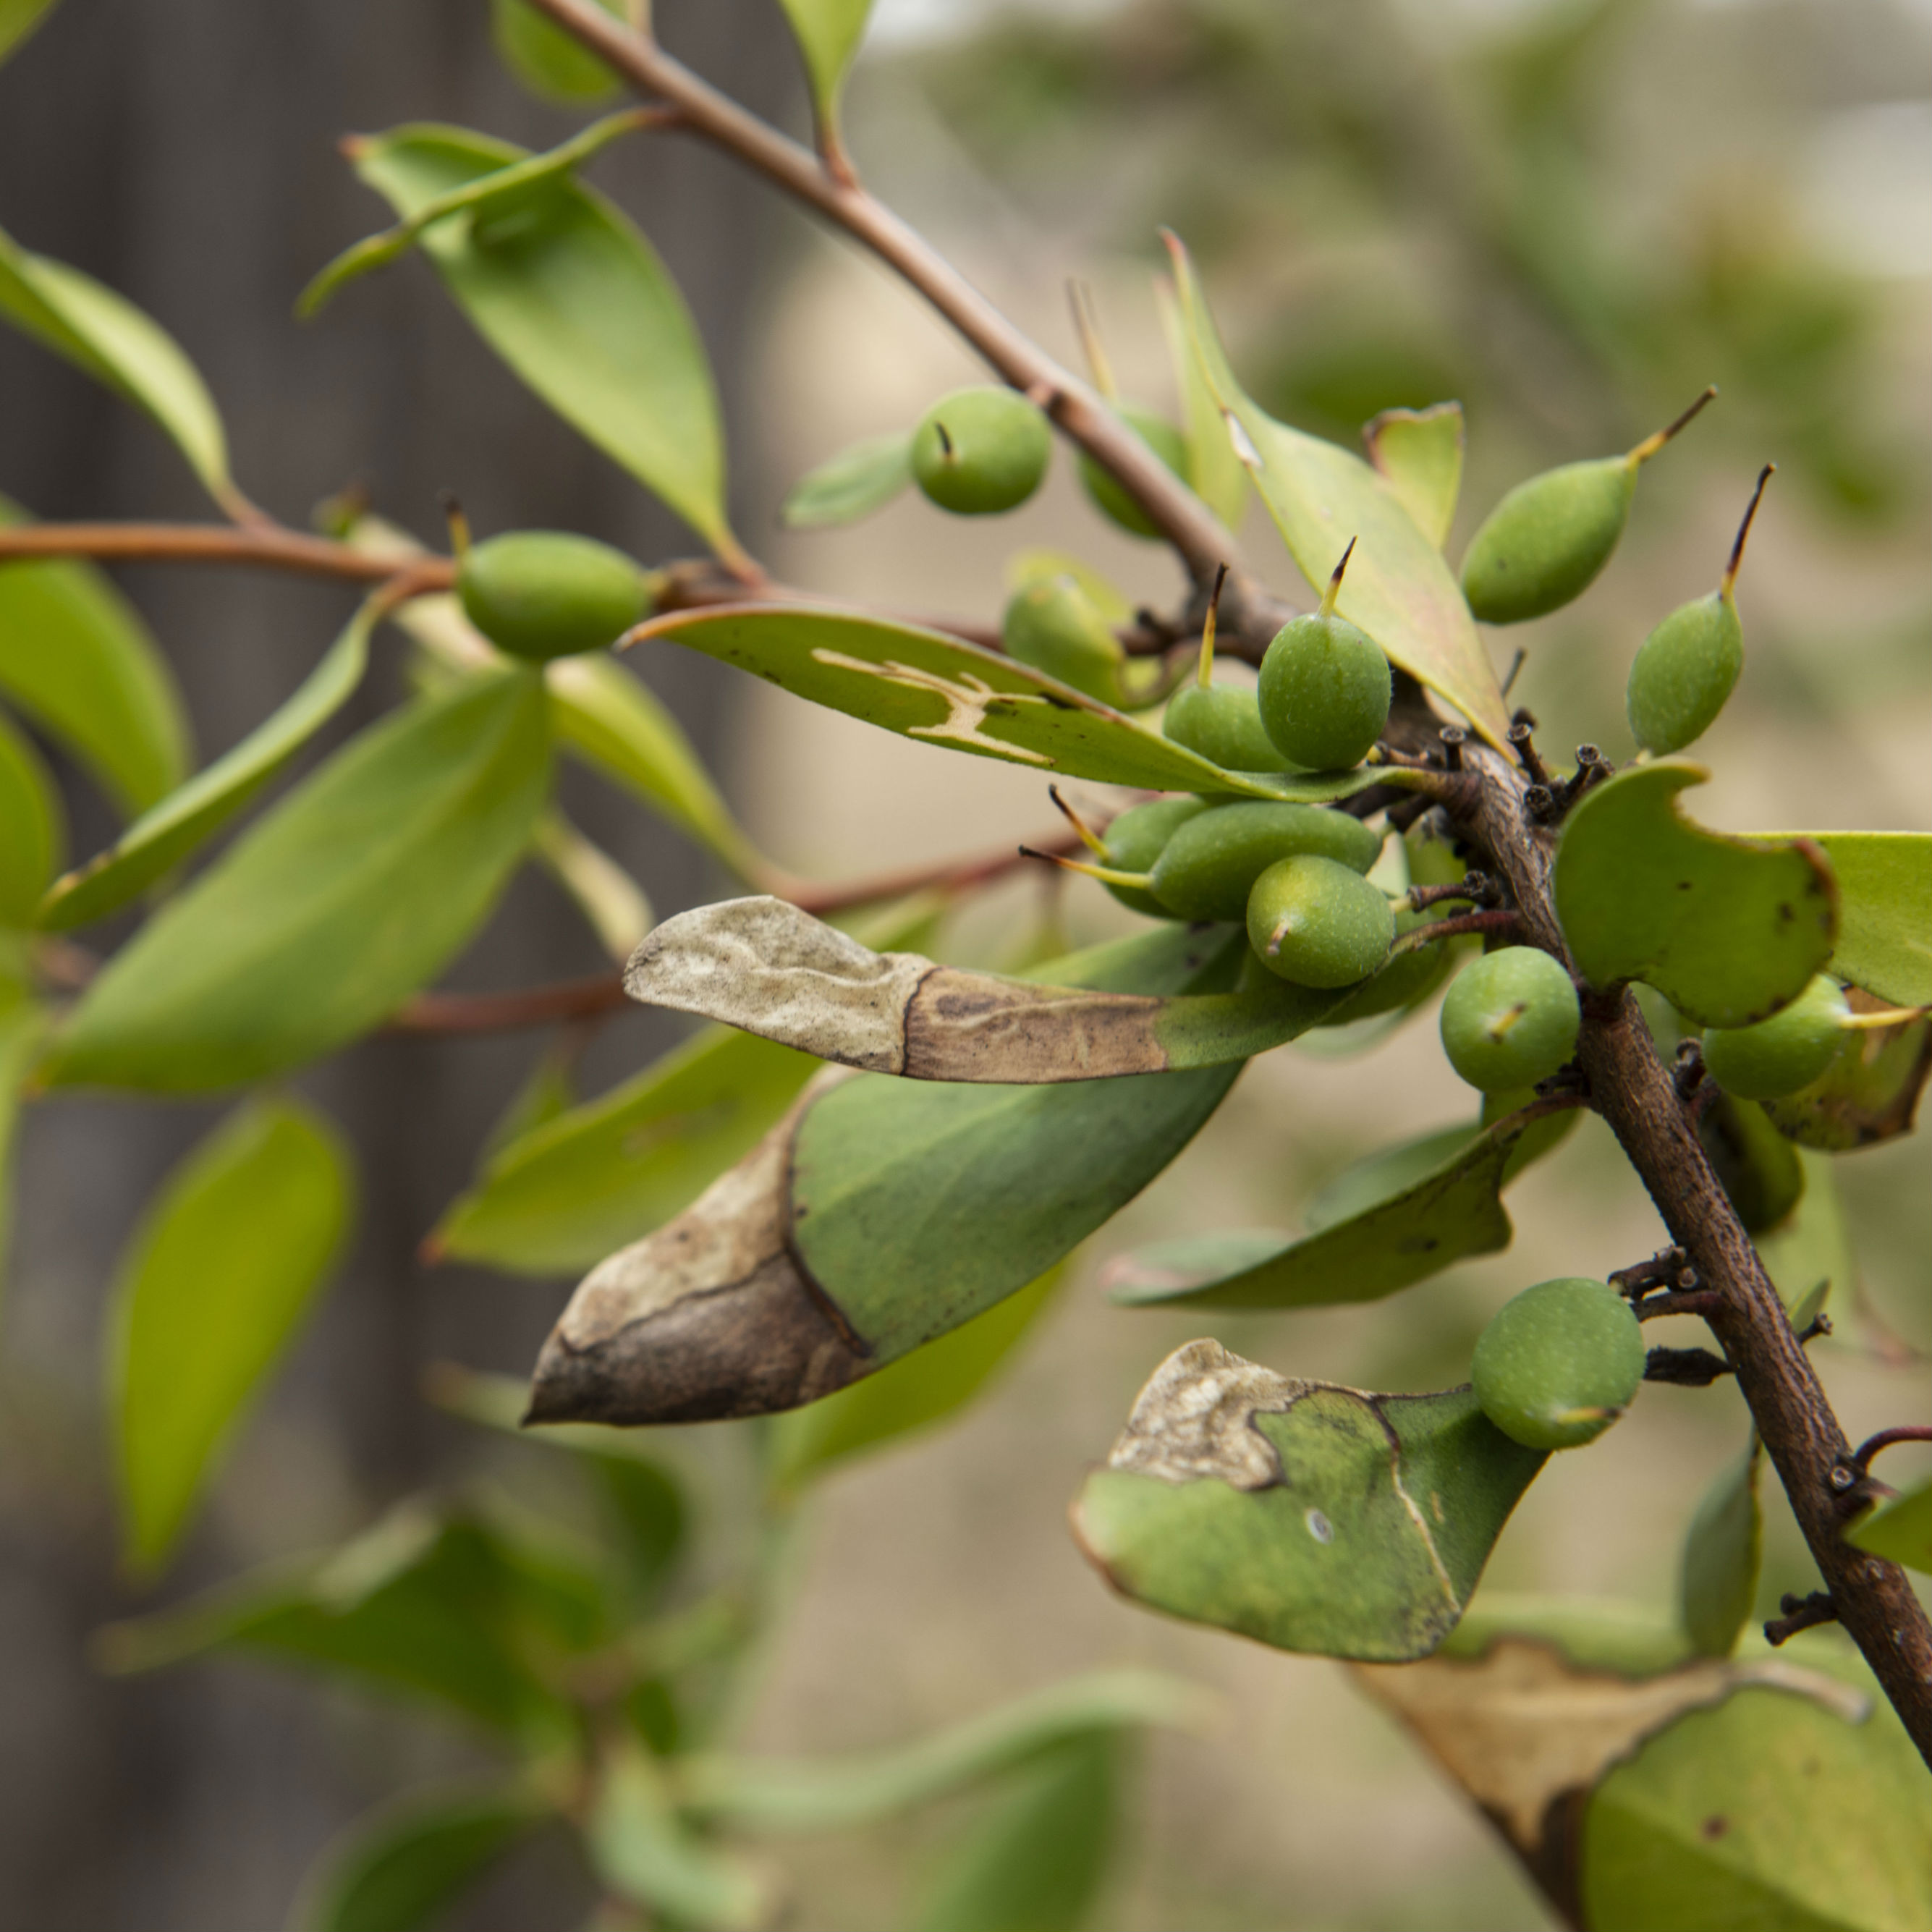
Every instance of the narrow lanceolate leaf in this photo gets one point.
(211, 1293)
(353, 892)
(762, 965)
(1421, 1207)
(853, 484)
(108, 338)
(1884, 911)
(787, 1278)
(186, 818)
(33, 828)
(1419, 454)
(1307, 1516)
(399, 1869)
(76, 659)
(1869, 1094)
(1728, 930)
(829, 33)
(18, 19)
(1901, 1530)
(1322, 496)
(1215, 472)
(1723, 1550)
(943, 691)
(574, 298)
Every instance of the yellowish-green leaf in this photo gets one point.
(33, 828)
(1420, 453)
(853, 484)
(18, 19)
(612, 902)
(1884, 911)
(829, 33)
(1901, 1530)
(555, 66)
(1215, 472)
(211, 1292)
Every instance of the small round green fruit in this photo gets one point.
(542, 594)
(1325, 692)
(1779, 1055)
(1208, 868)
(1135, 840)
(981, 450)
(1319, 923)
(1222, 724)
(1510, 1019)
(1546, 542)
(1052, 624)
(1558, 1365)
(1164, 439)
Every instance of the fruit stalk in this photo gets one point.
(1631, 1088)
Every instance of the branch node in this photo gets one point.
(1687, 1368)
(1801, 1613)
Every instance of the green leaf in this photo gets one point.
(186, 818)
(18, 19)
(1723, 1550)
(1038, 1858)
(826, 1794)
(1810, 1253)
(574, 299)
(554, 65)
(1419, 454)
(1758, 1168)
(1869, 1093)
(33, 827)
(829, 33)
(107, 337)
(853, 484)
(357, 889)
(917, 1391)
(1727, 929)
(76, 658)
(612, 902)
(1900, 1530)
(1407, 1213)
(1215, 473)
(1306, 1515)
(1322, 496)
(1884, 911)
(212, 1291)
(21, 1025)
(943, 691)
(397, 1869)
(608, 1172)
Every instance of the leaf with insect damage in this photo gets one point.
(1885, 910)
(1870, 1092)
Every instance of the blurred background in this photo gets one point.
(1570, 216)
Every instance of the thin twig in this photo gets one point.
(1886, 1437)
(1801, 1613)
(269, 546)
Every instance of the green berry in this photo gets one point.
(1319, 923)
(1208, 868)
(1510, 1019)
(547, 594)
(1325, 692)
(1164, 440)
(1136, 839)
(1560, 1363)
(1779, 1055)
(1222, 722)
(1546, 541)
(1404, 981)
(1054, 625)
(978, 452)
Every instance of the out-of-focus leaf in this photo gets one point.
(448, 1612)
(1036, 565)
(211, 1292)
(33, 828)
(1722, 1550)
(1901, 1530)
(553, 64)
(829, 33)
(1727, 929)
(853, 484)
(1322, 497)
(1406, 1213)
(971, 1191)
(1758, 1167)
(1870, 1092)
(1810, 1254)
(823, 1794)
(20, 1026)
(548, 1092)
(574, 298)
(1037, 1859)
(1884, 911)
(76, 658)
(612, 902)
(916, 1391)
(105, 335)
(1306, 1515)
(399, 1868)
(924, 685)
(187, 817)
(1215, 473)
(1419, 454)
(358, 888)
(18, 19)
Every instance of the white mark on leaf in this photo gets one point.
(1319, 1527)
(967, 701)
(1243, 443)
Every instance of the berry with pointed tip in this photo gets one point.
(1510, 1019)
(1319, 923)
(1135, 840)
(1545, 542)
(1558, 1365)
(1052, 624)
(981, 450)
(1325, 687)
(540, 594)
(1208, 868)
(1779, 1055)
(1164, 439)
(1222, 723)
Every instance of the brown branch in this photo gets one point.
(1634, 1092)
(269, 547)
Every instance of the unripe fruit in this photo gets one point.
(1136, 839)
(1779, 1055)
(1054, 625)
(1510, 1019)
(1164, 439)
(1560, 1363)
(1325, 688)
(1406, 981)
(1318, 923)
(1222, 722)
(548, 594)
(1545, 542)
(981, 450)
(1685, 669)
(1209, 867)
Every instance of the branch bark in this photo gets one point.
(1634, 1091)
